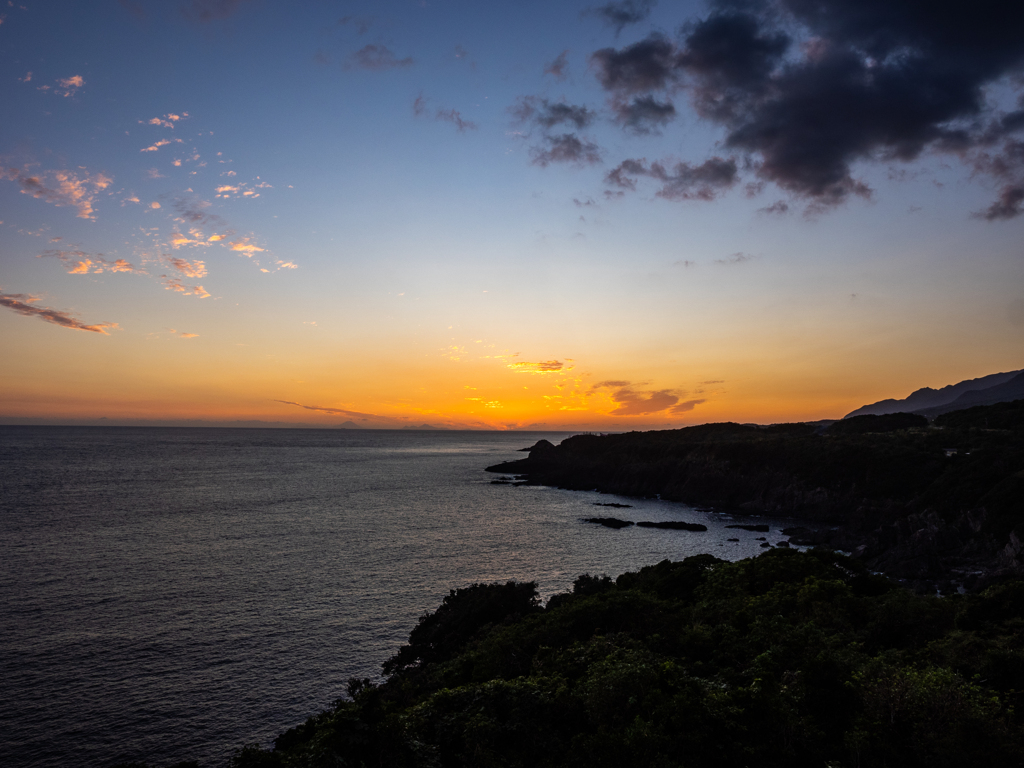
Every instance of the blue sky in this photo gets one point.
(585, 215)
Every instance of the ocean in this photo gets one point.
(171, 594)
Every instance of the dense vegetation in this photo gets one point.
(789, 659)
(921, 499)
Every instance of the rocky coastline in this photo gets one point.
(935, 505)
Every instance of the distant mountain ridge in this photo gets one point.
(987, 390)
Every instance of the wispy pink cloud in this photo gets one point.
(245, 246)
(82, 263)
(194, 269)
(60, 187)
(175, 284)
(161, 143)
(167, 121)
(242, 189)
(24, 304)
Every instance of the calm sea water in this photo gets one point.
(171, 594)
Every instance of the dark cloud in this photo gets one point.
(378, 58)
(566, 148)
(557, 68)
(455, 117)
(686, 406)
(779, 206)
(649, 65)
(419, 108)
(210, 10)
(644, 114)
(622, 14)
(735, 258)
(588, 203)
(683, 182)
(193, 210)
(548, 114)
(808, 88)
(24, 304)
(337, 411)
(1009, 205)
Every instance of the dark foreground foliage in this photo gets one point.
(790, 659)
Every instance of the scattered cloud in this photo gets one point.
(644, 114)
(566, 148)
(778, 207)
(558, 68)
(241, 189)
(454, 117)
(643, 67)
(1010, 204)
(686, 406)
(81, 263)
(684, 182)
(629, 402)
(61, 188)
(183, 334)
(195, 268)
(167, 121)
(66, 86)
(621, 14)
(735, 258)
(548, 114)
(378, 58)
(161, 143)
(194, 210)
(25, 305)
(419, 109)
(245, 246)
(546, 366)
(175, 284)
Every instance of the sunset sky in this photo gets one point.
(533, 215)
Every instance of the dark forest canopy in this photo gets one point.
(789, 659)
